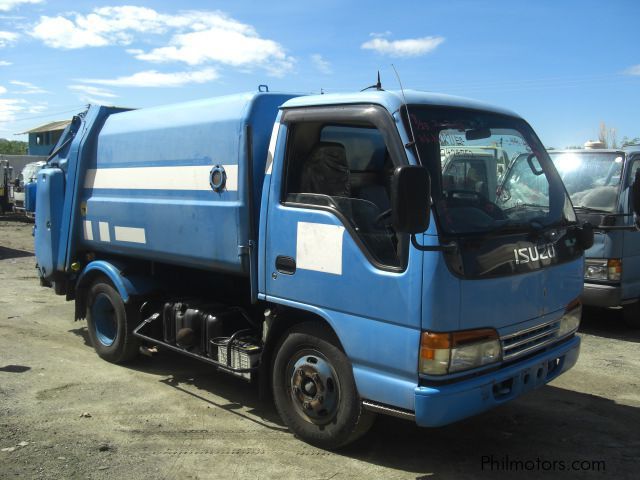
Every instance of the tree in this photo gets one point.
(12, 147)
(607, 136)
(626, 141)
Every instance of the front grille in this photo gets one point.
(528, 340)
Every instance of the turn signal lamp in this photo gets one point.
(450, 352)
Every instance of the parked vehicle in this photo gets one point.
(6, 186)
(312, 244)
(28, 176)
(600, 182)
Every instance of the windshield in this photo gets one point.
(592, 178)
(466, 152)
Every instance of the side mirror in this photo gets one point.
(584, 236)
(410, 199)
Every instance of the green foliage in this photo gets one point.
(626, 141)
(12, 147)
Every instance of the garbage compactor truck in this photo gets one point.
(313, 245)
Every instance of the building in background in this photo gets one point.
(42, 139)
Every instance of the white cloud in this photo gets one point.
(59, 32)
(104, 26)
(93, 91)
(37, 108)
(153, 78)
(9, 107)
(321, 64)
(7, 38)
(216, 38)
(12, 108)
(196, 37)
(635, 70)
(91, 94)
(7, 5)
(411, 47)
(4, 63)
(29, 88)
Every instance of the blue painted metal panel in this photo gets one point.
(126, 286)
(49, 222)
(263, 269)
(185, 225)
(511, 300)
(30, 197)
(375, 313)
(441, 290)
(384, 355)
(82, 148)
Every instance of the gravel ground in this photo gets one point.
(64, 413)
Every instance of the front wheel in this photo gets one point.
(110, 323)
(314, 390)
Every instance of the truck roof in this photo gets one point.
(392, 100)
(631, 148)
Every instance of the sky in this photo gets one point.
(565, 66)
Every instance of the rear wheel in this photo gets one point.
(314, 389)
(110, 323)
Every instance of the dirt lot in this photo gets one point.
(64, 413)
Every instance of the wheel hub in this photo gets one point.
(103, 314)
(314, 389)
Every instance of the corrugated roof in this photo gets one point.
(49, 127)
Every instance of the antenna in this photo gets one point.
(412, 143)
(377, 85)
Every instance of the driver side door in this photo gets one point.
(329, 246)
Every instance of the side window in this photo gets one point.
(632, 171)
(347, 169)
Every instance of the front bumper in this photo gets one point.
(439, 405)
(597, 295)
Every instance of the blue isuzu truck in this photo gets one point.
(600, 183)
(316, 246)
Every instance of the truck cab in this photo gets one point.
(320, 245)
(600, 183)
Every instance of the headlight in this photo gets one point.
(599, 269)
(442, 353)
(570, 321)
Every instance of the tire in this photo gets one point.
(631, 315)
(110, 323)
(314, 390)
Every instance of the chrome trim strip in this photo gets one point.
(394, 412)
(537, 346)
(537, 327)
(532, 338)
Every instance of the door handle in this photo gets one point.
(285, 265)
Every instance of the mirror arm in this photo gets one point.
(450, 247)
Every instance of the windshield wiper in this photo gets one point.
(526, 205)
(590, 209)
(507, 228)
